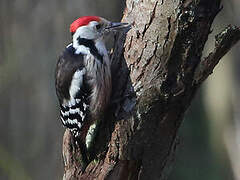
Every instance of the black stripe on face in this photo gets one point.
(91, 45)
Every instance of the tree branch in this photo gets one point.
(154, 73)
(223, 43)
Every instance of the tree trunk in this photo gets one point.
(156, 73)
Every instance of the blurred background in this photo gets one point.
(33, 34)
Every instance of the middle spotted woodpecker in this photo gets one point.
(83, 75)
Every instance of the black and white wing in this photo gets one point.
(72, 91)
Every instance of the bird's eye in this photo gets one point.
(98, 26)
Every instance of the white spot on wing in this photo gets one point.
(65, 113)
(72, 102)
(63, 121)
(81, 114)
(84, 106)
(74, 121)
(76, 84)
(74, 111)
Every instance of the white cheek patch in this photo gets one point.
(88, 32)
(80, 49)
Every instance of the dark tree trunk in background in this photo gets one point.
(156, 74)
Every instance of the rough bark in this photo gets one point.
(156, 73)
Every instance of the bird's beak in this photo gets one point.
(117, 26)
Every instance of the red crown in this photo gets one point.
(82, 21)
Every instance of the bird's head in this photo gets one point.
(94, 27)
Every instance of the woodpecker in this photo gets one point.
(83, 75)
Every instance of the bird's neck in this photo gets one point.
(89, 46)
(82, 45)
